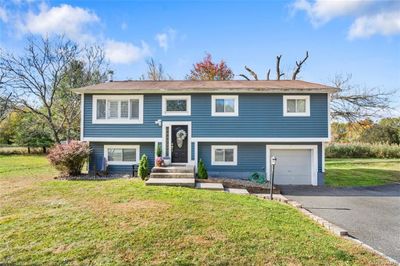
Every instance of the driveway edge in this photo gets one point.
(329, 226)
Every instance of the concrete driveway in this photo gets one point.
(370, 214)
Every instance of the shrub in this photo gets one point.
(362, 150)
(202, 171)
(143, 170)
(69, 158)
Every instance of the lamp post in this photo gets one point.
(273, 163)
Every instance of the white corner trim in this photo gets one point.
(137, 147)
(101, 139)
(323, 156)
(215, 147)
(196, 159)
(216, 139)
(82, 115)
(187, 98)
(117, 97)
(296, 97)
(314, 158)
(230, 97)
(329, 116)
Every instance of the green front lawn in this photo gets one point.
(116, 222)
(362, 172)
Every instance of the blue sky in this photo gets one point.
(358, 37)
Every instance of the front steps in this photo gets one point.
(182, 176)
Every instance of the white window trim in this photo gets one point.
(296, 97)
(137, 147)
(165, 98)
(230, 97)
(117, 97)
(215, 147)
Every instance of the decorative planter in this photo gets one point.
(167, 161)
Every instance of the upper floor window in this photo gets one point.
(122, 154)
(117, 109)
(225, 105)
(176, 105)
(224, 155)
(296, 105)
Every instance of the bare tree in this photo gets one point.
(155, 71)
(299, 64)
(4, 97)
(278, 67)
(279, 74)
(352, 102)
(38, 79)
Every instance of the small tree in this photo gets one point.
(69, 158)
(202, 171)
(143, 170)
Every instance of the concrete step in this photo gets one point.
(240, 191)
(172, 175)
(210, 186)
(173, 169)
(178, 182)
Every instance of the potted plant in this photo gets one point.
(159, 161)
(167, 161)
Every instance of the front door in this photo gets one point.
(179, 144)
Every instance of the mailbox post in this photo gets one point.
(273, 163)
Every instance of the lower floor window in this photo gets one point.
(224, 155)
(121, 154)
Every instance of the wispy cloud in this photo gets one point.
(3, 15)
(371, 17)
(125, 52)
(165, 39)
(385, 23)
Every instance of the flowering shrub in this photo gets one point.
(69, 158)
(159, 161)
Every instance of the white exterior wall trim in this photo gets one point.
(82, 114)
(95, 139)
(166, 124)
(314, 159)
(137, 147)
(260, 139)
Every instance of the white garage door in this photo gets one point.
(293, 166)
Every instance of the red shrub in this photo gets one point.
(69, 158)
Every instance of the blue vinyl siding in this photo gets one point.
(251, 157)
(260, 115)
(98, 154)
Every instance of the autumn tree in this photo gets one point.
(208, 70)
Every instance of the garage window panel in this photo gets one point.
(224, 154)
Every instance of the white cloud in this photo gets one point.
(371, 17)
(165, 39)
(63, 19)
(322, 11)
(125, 52)
(382, 23)
(3, 15)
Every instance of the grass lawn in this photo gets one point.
(362, 172)
(117, 222)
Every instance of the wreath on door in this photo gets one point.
(180, 137)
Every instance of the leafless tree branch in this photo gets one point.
(299, 64)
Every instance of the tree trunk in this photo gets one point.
(44, 149)
(29, 150)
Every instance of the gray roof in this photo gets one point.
(186, 86)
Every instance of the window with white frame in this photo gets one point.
(122, 154)
(225, 105)
(224, 155)
(176, 105)
(296, 105)
(117, 109)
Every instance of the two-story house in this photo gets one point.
(233, 126)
